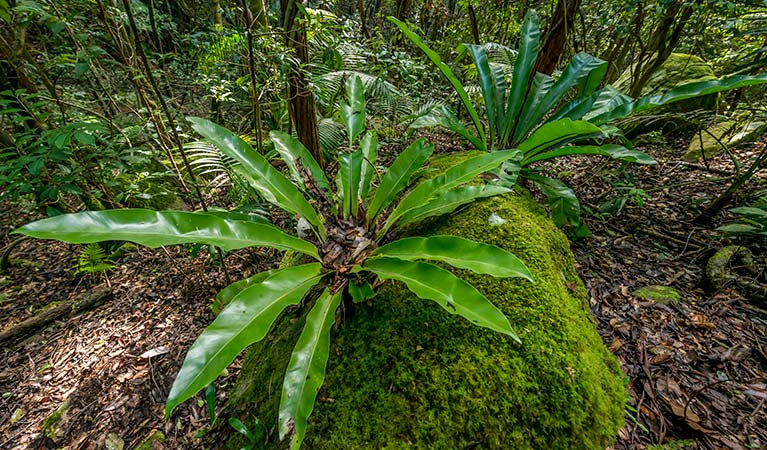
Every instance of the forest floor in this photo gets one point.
(696, 369)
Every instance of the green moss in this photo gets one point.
(678, 69)
(674, 445)
(405, 374)
(148, 443)
(658, 294)
(709, 142)
(52, 424)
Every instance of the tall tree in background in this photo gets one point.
(301, 102)
(662, 41)
(555, 36)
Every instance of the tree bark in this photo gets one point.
(473, 22)
(663, 41)
(555, 36)
(301, 101)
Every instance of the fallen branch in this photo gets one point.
(78, 305)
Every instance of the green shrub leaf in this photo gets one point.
(445, 70)
(353, 112)
(614, 151)
(448, 201)
(529, 44)
(245, 320)
(456, 296)
(457, 175)
(458, 252)
(267, 180)
(292, 151)
(157, 228)
(306, 369)
(369, 147)
(398, 175)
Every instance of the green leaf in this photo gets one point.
(348, 180)
(529, 44)
(564, 206)
(576, 73)
(750, 211)
(450, 200)
(456, 296)
(605, 101)
(493, 89)
(292, 151)
(698, 89)
(621, 109)
(244, 321)
(458, 252)
(455, 176)
(272, 185)
(306, 369)
(442, 116)
(446, 72)
(614, 151)
(241, 428)
(398, 175)
(227, 294)
(540, 86)
(234, 215)
(157, 228)
(5, 11)
(556, 133)
(369, 147)
(360, 292)
(353, 112)
(736, 228)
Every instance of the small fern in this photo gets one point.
(91, 259)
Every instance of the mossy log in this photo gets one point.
(87, 301)
(405, 374)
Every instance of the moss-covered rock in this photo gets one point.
(678, 69)
(405, 374)
(709, 142)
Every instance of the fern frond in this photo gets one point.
(91, 259)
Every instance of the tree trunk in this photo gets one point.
(473, 22)
(663, 41)
(363, 19)
(300, 100)
(555, 36)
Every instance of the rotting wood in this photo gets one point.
(82, 303)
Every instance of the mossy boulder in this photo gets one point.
(403, 373)
(712, 141)
(678, 69)
(708, 143)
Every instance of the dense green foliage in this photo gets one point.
(344, 240)
(307, 112)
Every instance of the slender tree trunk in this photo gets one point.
(363, 18)
(555, 36)
(663, 41)
(255, 103)
(300, 100)
(473, 23)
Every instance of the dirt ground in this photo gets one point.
(696, 369)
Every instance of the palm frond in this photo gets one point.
(210, 164)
